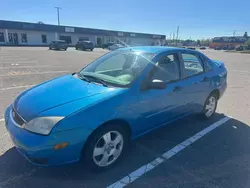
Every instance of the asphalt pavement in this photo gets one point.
(219, 158)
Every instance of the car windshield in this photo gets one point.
(118, 68)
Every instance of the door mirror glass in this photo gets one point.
(157, 84)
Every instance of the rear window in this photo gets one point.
(61, 42)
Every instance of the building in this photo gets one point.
(228, 41)
(39, 34)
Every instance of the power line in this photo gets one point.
(58, 14)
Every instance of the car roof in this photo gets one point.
(156, 49)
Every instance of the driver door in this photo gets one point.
(159, 106)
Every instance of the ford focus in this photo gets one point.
(93, 114)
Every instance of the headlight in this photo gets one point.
(42, 125)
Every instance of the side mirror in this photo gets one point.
(156, 84)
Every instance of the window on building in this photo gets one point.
(23, 37)
(44, 38)
(192, 64)
(66, 38)
(2, 37)
(168, 69)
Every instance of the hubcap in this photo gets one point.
(108, 149)
(210, 106)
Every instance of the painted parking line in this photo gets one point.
(31, 73)
(125, 181)
(18, 66)
(15, 87)
(1, 120)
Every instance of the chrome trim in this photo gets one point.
(13, 121)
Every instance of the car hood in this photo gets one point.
(54, 93)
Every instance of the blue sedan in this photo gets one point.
(94, 113)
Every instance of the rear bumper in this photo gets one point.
(39, 149)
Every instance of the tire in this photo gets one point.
(76, 48)
(113, 151)
(210, 106)
(92, 49)
(50, 48)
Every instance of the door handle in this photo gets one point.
(176, 89)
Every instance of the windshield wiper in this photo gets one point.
(80, 76)
(96, 79)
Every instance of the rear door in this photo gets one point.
(194, 80)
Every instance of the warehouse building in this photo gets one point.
(39, 34)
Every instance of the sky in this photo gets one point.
(197, 19)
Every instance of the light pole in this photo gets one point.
(58, 15)
(177, 34)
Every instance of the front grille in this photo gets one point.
(16, 117)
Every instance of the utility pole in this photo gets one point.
(173, 37)
(58, 15)
(177, 34)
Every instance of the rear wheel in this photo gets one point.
(210, 106)
(106, 147)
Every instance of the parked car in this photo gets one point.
(94, 113)
(218, 48)
(58, 45)
(115, 46)
(107, 45)
(203, 48)
(191, 48)
(84, 45)
(240, 48)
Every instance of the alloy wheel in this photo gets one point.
(210, 106)
(108, 148)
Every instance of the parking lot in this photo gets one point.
(217, 153)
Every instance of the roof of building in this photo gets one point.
(154, 49)
(232, 39)
(72, 29)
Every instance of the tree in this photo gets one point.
(247, 44)
(40, 22)
(245, 35)
(205, 42)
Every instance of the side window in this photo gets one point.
(168, 69)
(192, 65)
(115, 62)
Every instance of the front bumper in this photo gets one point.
(38, 149)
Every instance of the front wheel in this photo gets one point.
(106, 147)
(210, 106)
